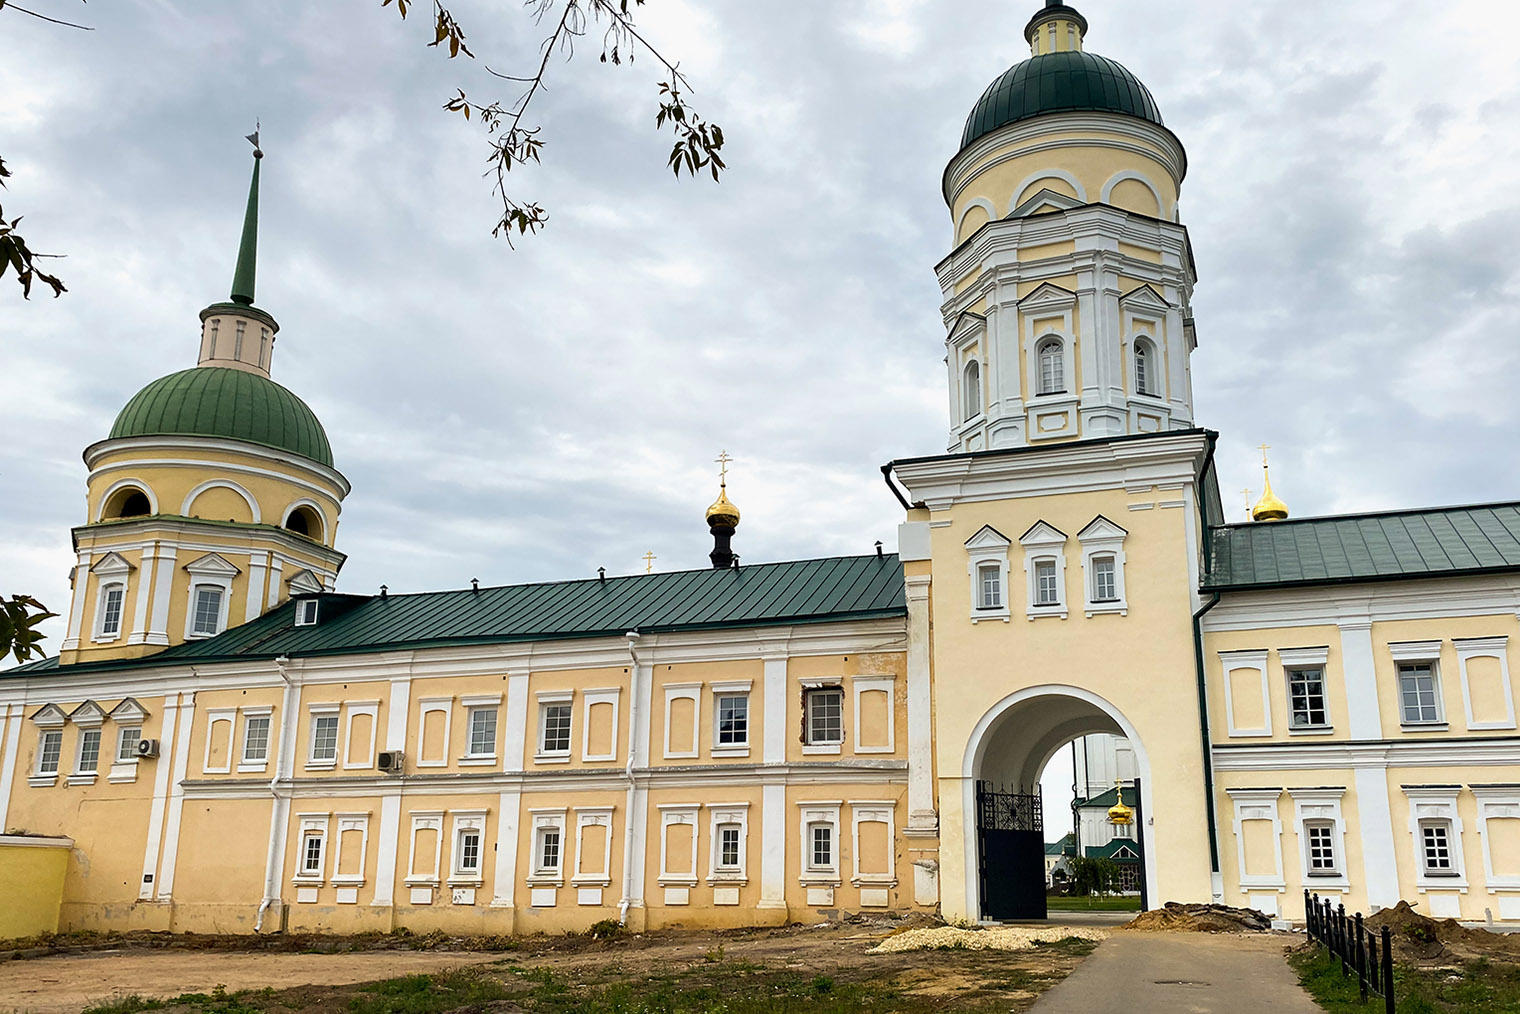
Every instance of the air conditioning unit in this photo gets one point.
(392, 762)
(147, 748)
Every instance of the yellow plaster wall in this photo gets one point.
(579, 681)
(1275, 639)
(843, 668)
(706, 673)
(1478, 895)
(33, 876)
(219, 873)
(1444, 629)
(1093, 165)
(567, 913)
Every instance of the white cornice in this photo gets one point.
(286, 461)
(1432, 753)
(1350, 604)
(143, 532)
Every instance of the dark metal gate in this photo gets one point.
(1010, 833)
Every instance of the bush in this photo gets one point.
(1094, 876)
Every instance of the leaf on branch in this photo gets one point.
(14, 253)
(18, 619)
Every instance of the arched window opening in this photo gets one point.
(1051, 369)
(304, 521)
(1145, 368)
(972, 389)
(128, 502)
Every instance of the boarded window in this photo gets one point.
(219, 749)
(1485, 688)
(351, 853)
(434, 746)
(678, 848)
(875, 848)
(1245, 699)
(360, 728)
(683, 714)
(1504, 845)
(875, 719)
(599, 730)
(593, 849)
(1260, 840)
(424, 852)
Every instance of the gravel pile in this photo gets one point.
(995, 938)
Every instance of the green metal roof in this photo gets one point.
(214, 401)
(767, 594)
(1062, 82)
(1434, 542)
(1109, 850)
(1104, 800)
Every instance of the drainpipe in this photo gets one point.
(886, 475)
(633, 726)
(1208, 753)
(277, 814)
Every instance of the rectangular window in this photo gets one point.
(548, 850)
(306, 613)
(324, 738)
(1306, 698)
(1435, 848)
(482, 732)
(728, 846)
(1045, 591)
(311, 853)
(237, 343)
(89, 751)
(989, 586)
(469, 852)
(1104, 588)
(208, 610)
(1321, 849)
(822, 851)
(126, 743)
(256, 739)
(49, 749)
(556, 731)
(1417, 693)
(733, 719)
(110, 612)
(825, 715)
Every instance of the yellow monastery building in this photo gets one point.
(226, 743)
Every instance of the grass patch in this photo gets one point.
(1076, 947)
(1477, 987)
(427, 994)
(218, 1001)
(1113, 903)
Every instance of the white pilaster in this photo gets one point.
(146, 570)
(515, 744)
(773, 687)
(176, 796)
(161, 772)
(397, 710)
(76, 610)
(10, 742)
(257, 564)
(1363, 719)
(773, 838)
(922, 819)
(275, 567)
(1375, 825)
(163, 587)
(508, 813)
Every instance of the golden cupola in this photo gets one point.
(1269, 507)
(1119, 814)
(723, 512)
(722, 519)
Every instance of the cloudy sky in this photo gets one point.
(537, 413)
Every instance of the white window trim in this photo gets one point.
(425, 707)
(351, 822)
(1321, 805)
(79, 776)
(720, 814)
(871, 811)
(861, 685)
(1436, 802)
(307, 824)
(213, 716)
(471, 704)
(1306, 658)
(49, 718)
(684, 692)
(808, 814)
(351, 711)
(1102, 537)
(1257, 804)
(968, 416)
(424, 820)
(330, 709)
(822, 683)
(100, 636)
(546, 819)
(988, 547)
(592, 816)
(307, 607)
(1044, 542)
(253, 766)
(128, 714)
(1037, 340)
(682, 817)
(546, 698)
(117, 759)
(590, 698)
(1469, 648)
(471, 820)
(1419, 651)
(733, 688)
(213, 571)
(1232, 661)
(1496, 802)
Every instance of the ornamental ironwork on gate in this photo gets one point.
(1010, 831)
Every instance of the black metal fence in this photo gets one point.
(1359, 949)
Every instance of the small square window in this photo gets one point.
(728, 846)
(49, 749)
(548, 850)
(324, 738)
(821, 855)
(306, 613)
(1306, 698)
(482, 732)
(1435, 848)
(733, 719)
(1321, 843)
(469, 852)
(556, 729)
(1418, 700)
(311, 853)
(126, 743)
(256, 739)
(824, 719)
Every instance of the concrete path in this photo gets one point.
(1182, 973)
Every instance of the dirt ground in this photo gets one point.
(940, 980)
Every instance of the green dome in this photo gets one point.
(1061, 82)
(213, 401)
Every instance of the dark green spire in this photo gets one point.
(248, 249)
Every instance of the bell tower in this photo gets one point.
(1067, 293)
